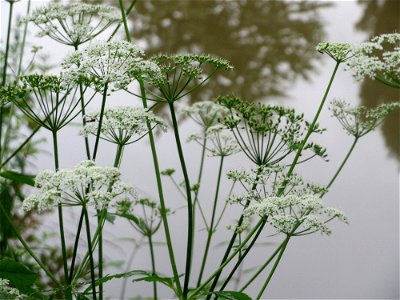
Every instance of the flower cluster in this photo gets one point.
(85, 184)
(122, 125)
(222, 144)
(183, 72)
(267, 134)
(295, 214)
(75, 24)
(47, 100)
(339, 52)
(9, 293)
(205, 113)
(378, 59)
(105, 63)
(10, 92)
(359, 121)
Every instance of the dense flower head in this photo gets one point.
(340, 52)
(183, 72)
(47, 100)
(218, 142)
(359, 121)
(74, 24)
(122, 125)
(116, 63)
(10, 92)
(9, 293)
(295, 214)
(205, 113)
(267, 134)
(378, 59)
(85, 184)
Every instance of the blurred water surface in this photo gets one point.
(271, 45)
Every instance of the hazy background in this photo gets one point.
(271, 44)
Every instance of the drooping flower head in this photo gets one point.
(339, 52)
(205, 113)
(74, 24)
(48, 100)
(358, 121)
(184, 72)
(115, 63)
(378, 59)
(85, 184)
(122, 125)
(267, 134)
(218, 142)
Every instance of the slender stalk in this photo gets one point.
(103, 106)
(123, 14)
(262, 267)
(227, 261)
(189, 202)
(153, 265)
(211, 229)
(273, 268)
(4, 75)
(21, 146)
(343, 162)
(61, 220)
(27, 248)
(163, 210)
(118, 156)
(89, 241)
(28, 9)
(75, 251)
(128, 11)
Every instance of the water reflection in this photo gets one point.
(270, 43)
(381, 17)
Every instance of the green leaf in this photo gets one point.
(153, 277)
(19, 276)
(232, 295)
(19, 177)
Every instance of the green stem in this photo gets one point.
(262, 268)
(273, 268)
(153, 266)
(118, 156)
(127, 12)
(3, 80)
(123, 14)
(20, 146)
(211, 229)
(163, 210)
(89, 241)
(61, 220)
(343, 163)
(103, 106)
(189, 202)
(23, 41)
(75, 251)
(27, 248)
(226, 262)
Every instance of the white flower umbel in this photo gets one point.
(116, 63)
(339, 52)
(378, 59)
(220, 143)
(74, 24)
(205, 113)
(9, 293)
(85, 184)
(358, 121)
(295, 215)
(122, 125)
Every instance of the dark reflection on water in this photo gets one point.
(381, 17)
(270, 43)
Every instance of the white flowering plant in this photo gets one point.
(274, 139)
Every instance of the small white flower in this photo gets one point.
(205, 113)
(9, 293)
(122, 125)
(85, 184)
